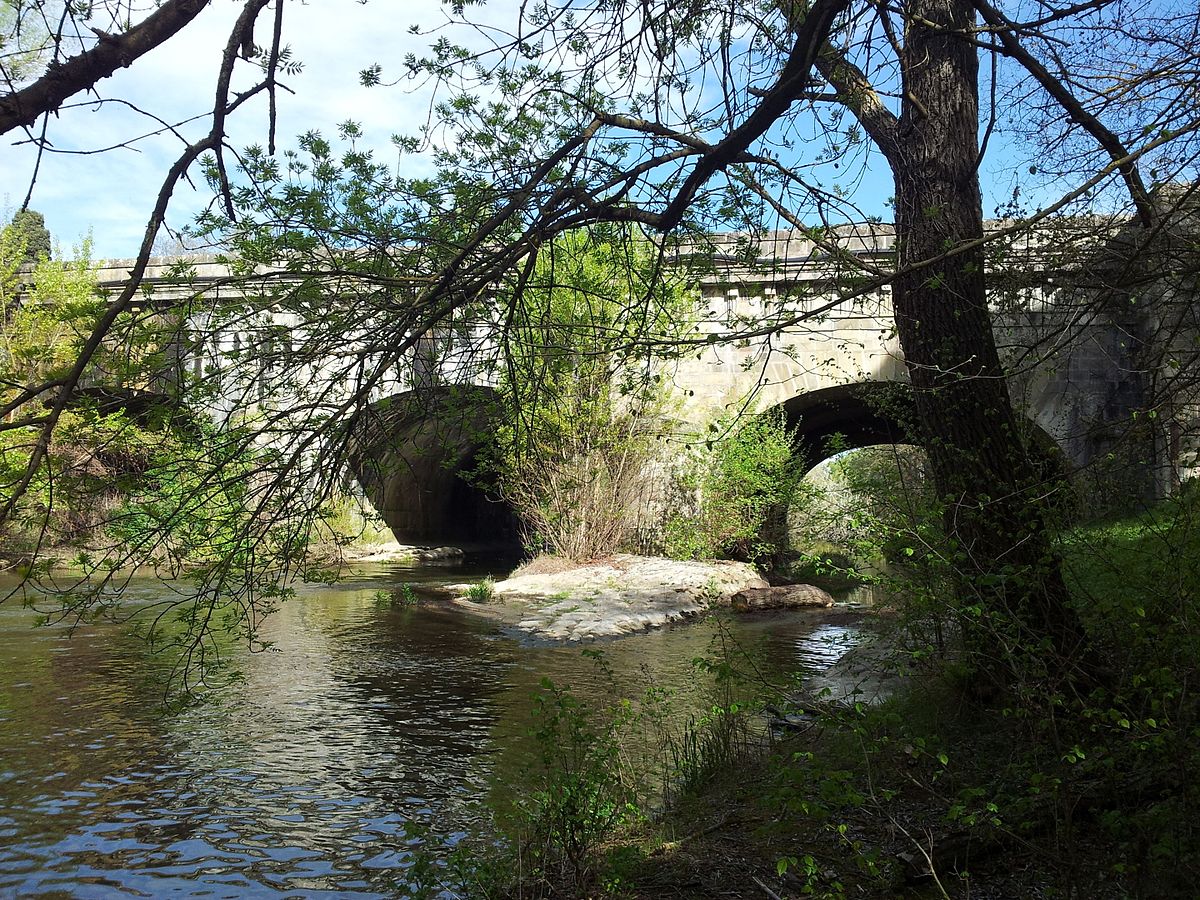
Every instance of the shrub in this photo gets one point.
(586, 789)
(744, 483)
(583, 398)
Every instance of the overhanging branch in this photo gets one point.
(1005, 32)
(81, 72)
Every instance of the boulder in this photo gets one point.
(787, 596)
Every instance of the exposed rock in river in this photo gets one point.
(619, 595)
(392, 551)
(786, 596)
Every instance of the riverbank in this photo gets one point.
(329, 554)
(941, 790)
(390, 551)
(619, 595)
(825, 813)
(902, 800)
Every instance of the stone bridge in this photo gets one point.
(1096, 349)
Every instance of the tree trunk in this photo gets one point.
(1014, 603)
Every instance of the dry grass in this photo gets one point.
(546, 564)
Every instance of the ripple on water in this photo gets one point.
(370, 731)
(826, 644)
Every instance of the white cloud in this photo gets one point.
(112, 193)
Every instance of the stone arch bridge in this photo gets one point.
(1096, 348)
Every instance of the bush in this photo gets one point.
(133, 492)
(743, 483)
(583, 398)
(481, 591)
(579, 492)
(587, 790)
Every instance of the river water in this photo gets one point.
(367, 725)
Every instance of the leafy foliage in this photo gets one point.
(129, 478)
(744, 482)
(875, 520)
(481, 591)
(138, 472)
(28, 229)
(584, 397)
(24, 41)
(45, 314)
(170, 494)
(588, 790)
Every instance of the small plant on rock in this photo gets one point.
(482, 591)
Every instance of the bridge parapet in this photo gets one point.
(251, 347)
(1090, 343)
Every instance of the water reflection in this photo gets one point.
(301, 781)
(827, 643)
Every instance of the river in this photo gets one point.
(312, 777)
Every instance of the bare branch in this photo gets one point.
(858, 95)
(1006, 33)
(83, 71)
(812, 35)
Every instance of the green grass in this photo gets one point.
(1136, 583)
(481, 591)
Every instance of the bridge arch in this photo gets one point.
(413, 453)
(869, 413)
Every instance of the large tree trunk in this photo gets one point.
(1013, 600)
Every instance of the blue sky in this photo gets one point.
(110, 194)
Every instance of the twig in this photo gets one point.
(672, 845)
(766, 890)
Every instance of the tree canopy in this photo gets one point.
(684, 119)
(28, 228)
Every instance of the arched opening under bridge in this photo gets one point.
(861, 446)
(414, 455)
(832, 420)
